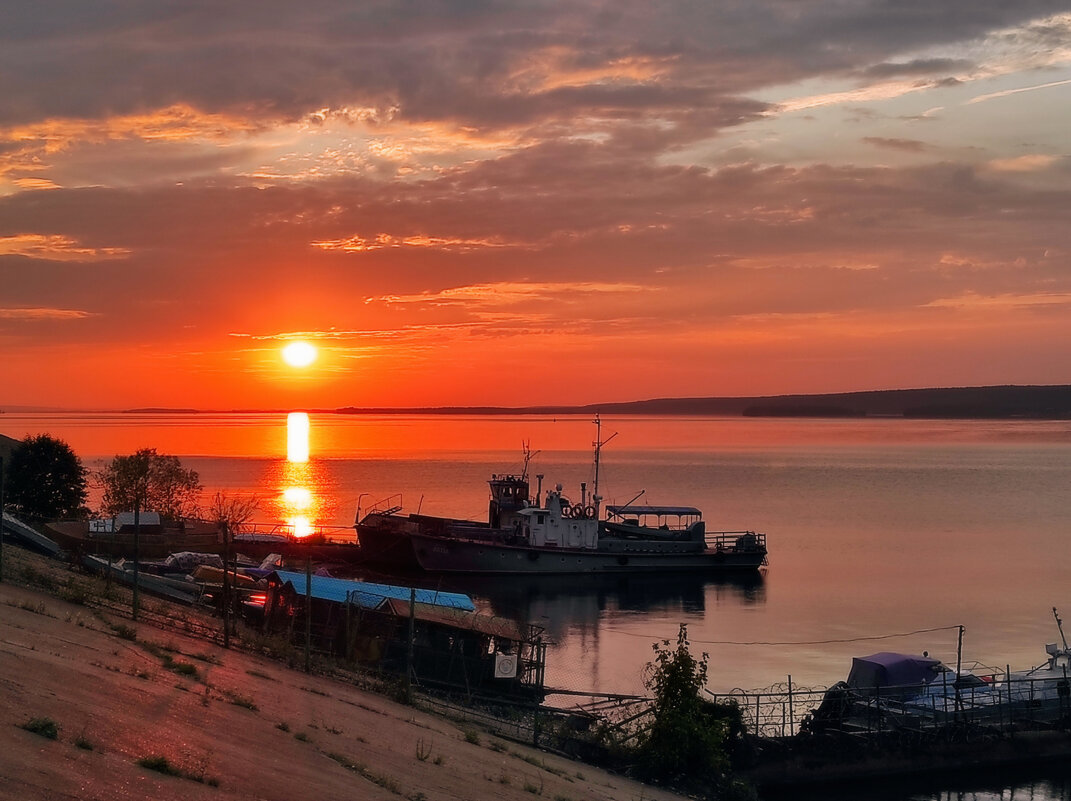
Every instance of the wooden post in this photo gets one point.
(346, 650)
(791, 710)
(308, 606)
(412, 643)
(959, 664)
(226, 588)
(1007, 680)
(1, 519)
(137, 553)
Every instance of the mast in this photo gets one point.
(599, 442)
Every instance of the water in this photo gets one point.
(875, 527)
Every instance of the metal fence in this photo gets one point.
(1004, 703)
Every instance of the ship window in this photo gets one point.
(540, 519)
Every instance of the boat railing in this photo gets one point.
(385, 506)
(738, 541)
(288, 531)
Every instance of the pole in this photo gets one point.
(1, 519)
(226, 588)
(137, 556)
(308, 606)
(791, 711)
(959, 665)
(412, 638)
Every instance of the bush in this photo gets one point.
(46, 727)
(685, 745)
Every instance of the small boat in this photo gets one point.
(550, 534)
(898, 690)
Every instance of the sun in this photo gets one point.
(299, 354)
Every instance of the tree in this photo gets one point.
(149, 481)
(235, 512)
(685, 745)
(45, 479)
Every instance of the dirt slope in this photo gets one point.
(249, 727)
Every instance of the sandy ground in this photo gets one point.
(248, 726)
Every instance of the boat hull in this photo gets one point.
(445, 555)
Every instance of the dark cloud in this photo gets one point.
(917, 67)
(458, 60)
(905, 145)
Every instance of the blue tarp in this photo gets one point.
(368, 595)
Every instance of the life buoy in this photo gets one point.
(589, 511)
(578, 512)
(567, 511)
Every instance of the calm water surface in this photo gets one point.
(875, 527)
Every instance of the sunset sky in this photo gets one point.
(512, 203)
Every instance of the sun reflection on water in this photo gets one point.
(300, 506)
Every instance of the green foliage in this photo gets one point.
(149, 481)
(685, 745)
(44, 479)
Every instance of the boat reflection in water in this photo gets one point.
(563, 604)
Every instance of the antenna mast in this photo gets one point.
(1060, 625)
(526, 445)
(599, 442)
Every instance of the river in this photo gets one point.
(876, 527)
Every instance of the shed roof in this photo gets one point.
(459, 618)
(369, 595)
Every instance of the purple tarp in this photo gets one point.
(886, 669)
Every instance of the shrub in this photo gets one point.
(46, 727)
(685, 744)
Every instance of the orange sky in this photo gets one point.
(527, 203)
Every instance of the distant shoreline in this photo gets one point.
(1006, 402)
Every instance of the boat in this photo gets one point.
(895, 690)
(550, 534)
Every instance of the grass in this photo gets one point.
(83, 742)
(45, 727)
(124, 632)
(37, 609)
(386, 782)
(182, 668)
(38, 578)
(243, 701)
(472, 737)
(161, 764)
(283, 726)
(422, 751)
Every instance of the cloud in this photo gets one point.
(1034, 162)
(905, 145)
(359, 244)
(44, 314)
(55, 247)
(1009, 92)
